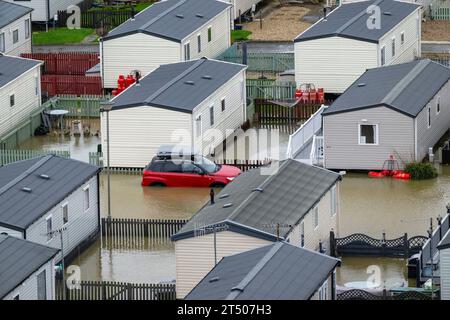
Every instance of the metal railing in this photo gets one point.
(10, 156)
(305, 133)
(316, 155)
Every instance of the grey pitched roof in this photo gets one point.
(279, 271)
(179, 86)
(13, 67)
(350, 21)
(10, 12)
(406, 88)
(19, 209)
(171, 19)
(445, 242)
(284, 199)
(19, 259)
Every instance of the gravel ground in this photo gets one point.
(282, 23)
(436, 30)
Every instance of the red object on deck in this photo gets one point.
(402, 175)
(307, 93)
(376, 174)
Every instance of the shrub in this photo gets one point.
(421, 170)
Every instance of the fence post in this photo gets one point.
(383, 244)
(332, 244)
(130, 291)
(406, 244)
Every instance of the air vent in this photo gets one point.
(189, 82)
(44, 176)
(362, 84)
(387, 13)
(223, 196)
(206, 77)
(199, 15)
(179, 16)
(258, 189)
(227, 205)
(215, 279)
(26, 189)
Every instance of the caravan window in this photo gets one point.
(368, 134)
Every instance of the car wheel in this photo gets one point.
(217, 185)
(157, 184)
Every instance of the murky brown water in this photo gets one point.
(367, 205)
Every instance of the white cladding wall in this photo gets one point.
(241, 6)
(333, 63)
(40, 7)
(233, 92)
(24, 44)
(410, 49)
(341, 148)
(220, 38)
(137, 51)
(444, 267)
(195, 256)
(427, 137)
(136, 133)
(327, 221)
(329, 294)
(82, 223)
(26, 100)
(28, 290)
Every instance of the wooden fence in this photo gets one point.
(440, 10)
(86, 106)
(138, 228)
(358, 294)
(268, 112)
(9, 156)
(244, 165)
(363, 245)
(70, 63)
(270, 89)
(52, 85)
(105, 290)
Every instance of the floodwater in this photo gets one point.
(368, 206)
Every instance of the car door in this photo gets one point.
(193, 175)
(172, 174)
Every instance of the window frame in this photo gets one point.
(212, 119)
(14, 33)
(198, 126)
(393, 47)
(12, 103)
(65, 216)
(383, 56)
(302, 234)
(316, 217)
(27, 29)
(187, 51)
(376, 136)
(2, 42)
(402, 38)
(438, 105)
(209, 31)
(428, 117)
(50, 235)
(199, 43)
(333, 201)
(86, 191)
(223, 104)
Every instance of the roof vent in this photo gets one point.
(237, 289)
(179, 15)
(258, 189)
(223, 196)
(227, 205)
(387, 13)
(362, 84)
(199, 15)
(215, 279)
(190, 82)
(44, 176)
(206, 77)
(26, 189)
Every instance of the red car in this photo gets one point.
(196, 171)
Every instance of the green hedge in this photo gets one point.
(421, 170)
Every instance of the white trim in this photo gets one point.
(377, 142)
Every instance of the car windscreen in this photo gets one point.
(206, 164)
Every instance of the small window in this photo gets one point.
(438, 105)
(429, 116)
(209, 34)
(393, 47)
(333, 198)
(199, 43)
(87, 199)
(65, 213)
(16, 36)
(402, 38)
(368, 134)
(211, 116)
(172, 167)
(198, 126)
(27, 29)
(316, 218)
(49, 228)
(36, 85)
(12, 100)
(2, 42)
(302, 234)
(383, 56)
(222, 104)
(187, 51)
(156, 166)
(190, 168)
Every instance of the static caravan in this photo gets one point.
(400, 110)
(354, 37)
(45, 10)
(45, 196)
(15, 29)
(176, 103)
(444, 266)
(297, 203)
(278, 271)
(166, 32)
(26, 270)
(20, 91)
